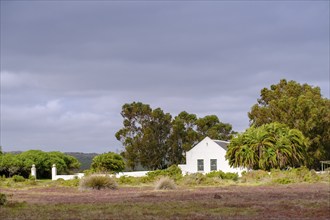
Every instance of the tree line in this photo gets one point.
(20, 164)
(289, 126)
(156, 140)
(300, 107)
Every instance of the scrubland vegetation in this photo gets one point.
(166, 194)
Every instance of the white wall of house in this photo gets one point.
(205, 151)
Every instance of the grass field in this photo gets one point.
(290, 201)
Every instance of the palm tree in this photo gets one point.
(270, 146)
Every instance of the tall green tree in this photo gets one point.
(301, 107)
(108, 162)
(155, 140)
(269, 146)
(136, 117)
(145, 135)
(183, 137)
(211, 126)
(151, 138)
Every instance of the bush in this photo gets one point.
(32, 177)
(3, 199)
(194, 179)
(98, 182)
(283, 180)
(173, 172)
(18, 178)
(128, 180)
(165, 183)
(222, 175)
(255, 176)
(2, 178)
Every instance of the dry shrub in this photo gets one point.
(165, 183)
(194, 179)
(3, 199)
(98, 182)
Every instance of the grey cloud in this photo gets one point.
(92, 57)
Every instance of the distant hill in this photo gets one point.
(84, 158)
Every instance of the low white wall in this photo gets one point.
(80, 175)
(68, 177)
(133, 174)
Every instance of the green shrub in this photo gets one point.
(17, 178)
(282, 180)
(194, 179)
(70, 183)
(222, 175)
(255, 176)
(2, 178)
(3, 199)
(173, 172)
(98, 182)
(32, 177)
(165, 183)
(129, 180)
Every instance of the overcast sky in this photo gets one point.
(68, 67)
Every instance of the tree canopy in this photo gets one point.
(301, 107)
(155, 140)
(21, 164)
(269, 146)
(108, 162)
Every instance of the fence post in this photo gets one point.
(34, 171)
(54, 172)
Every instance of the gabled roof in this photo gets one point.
(221, 143)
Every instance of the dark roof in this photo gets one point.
(222, 144)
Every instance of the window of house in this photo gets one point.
(200, 165)
(213, 164)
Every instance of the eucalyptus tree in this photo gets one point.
(145, 135)
(183, 137)
(301, 107)
(212, 127)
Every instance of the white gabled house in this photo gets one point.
(207, 156)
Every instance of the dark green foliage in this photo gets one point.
(98, 182)
(128, 180)
(183, 137)
(210, 126)
(21, 163)
(18, 178)
(144, 135)
(267, 147)
(223, 175)
(173, 172)
(10, 165)
(152, 139)
(301, 107)
(108, 162)
(276, 176)
(3, 199)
